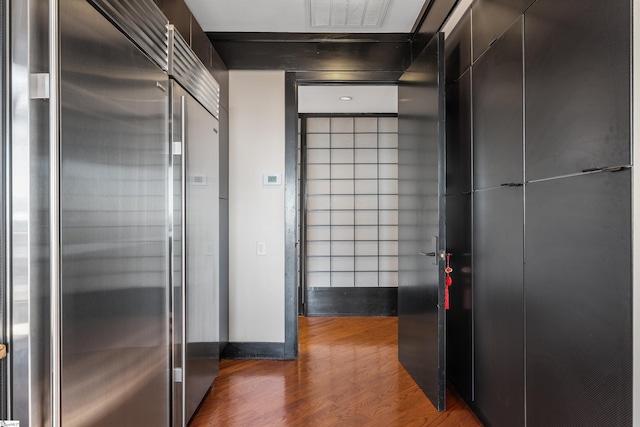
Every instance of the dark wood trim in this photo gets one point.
(352, 302)
(254, 350)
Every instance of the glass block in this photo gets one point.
(367, 172)
(388, 155)
(318, 155)
(387, 140)
(388, 279)
(318, 125)
(388, 202)
(366, 232)
(318, 280)
(342, 202)
(366, 125)
(366, 201)
(318, 248)
(318, 264)
(342, 140)
(366, 155)
(366, 248)
(388, 217)
(366, 263)
(388, 124)
(342, 232)
(367, 280)
(342, 218)
(318, 172)
(388, 248)
(366, 186)
(318, 218)
(342, 171)
(322, 140)
(318, 202)
(342, 280)
(366, 141)
(388, 186)
(388, 232)
(388, 263)
(342, 124)
(318, 233)
(318, 187)
(343, 186)
(342, 264)
(345, 248)
(367, 217)
(341, 155)
(388, 171)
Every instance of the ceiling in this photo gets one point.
(297, 16)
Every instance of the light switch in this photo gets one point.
(261, 248)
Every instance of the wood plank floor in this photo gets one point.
(347, 374)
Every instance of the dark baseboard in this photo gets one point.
(352, 302)
(254, 350)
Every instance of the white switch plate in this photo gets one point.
(261, 248)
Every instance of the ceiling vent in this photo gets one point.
(347, 13)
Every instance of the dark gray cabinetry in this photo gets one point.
(460, 315)
(498, 305)
(458, 50)
(459, 135)
(497, 112)
(491, 18)
(577, 86)
(578, 305)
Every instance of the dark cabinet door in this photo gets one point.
(491, 18)
(458, 50)
(577, 86)
(498, 232)
(459, 136)
(497, 112)
(421, 315)
(578, 301)
(460, 314)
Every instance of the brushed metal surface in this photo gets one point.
(491, 18)
(458, 50)
(29, 366)
(202, 223)
(459, 154)
(460, 315)
(497, 112)
(498, 305)
(115, 257)
(578, 301)
(421, 315)
(577, 86)
(143, 22)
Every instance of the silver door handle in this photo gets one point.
(428, 253)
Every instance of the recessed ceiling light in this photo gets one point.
(345, 98)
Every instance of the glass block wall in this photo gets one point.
(351, 201)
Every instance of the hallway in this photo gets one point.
(347, 374)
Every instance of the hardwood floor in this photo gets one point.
(347, 374)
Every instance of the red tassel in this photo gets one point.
(446, 298)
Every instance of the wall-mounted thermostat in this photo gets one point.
(272, 179)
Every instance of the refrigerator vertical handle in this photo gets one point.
(183, 238)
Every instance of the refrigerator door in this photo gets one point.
(114, 247)
(198, 131)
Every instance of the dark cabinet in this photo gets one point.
(459, 136)
(458, 50)
(498, 292)
(460, 314)
(578, 301)
(491, 18)
(497, 112)
(577, 86)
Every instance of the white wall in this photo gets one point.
(256, 212)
